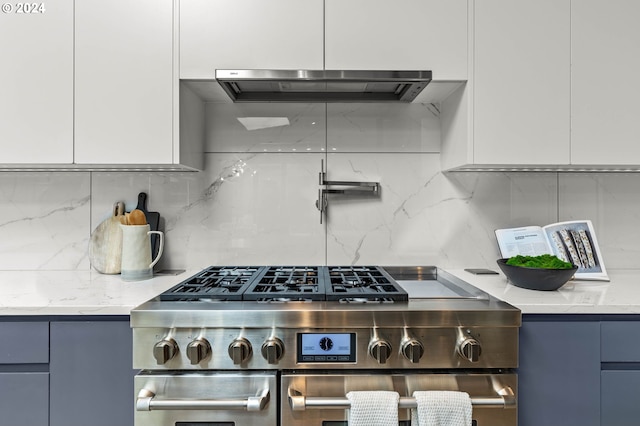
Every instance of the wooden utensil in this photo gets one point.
(137, 217)
(105, 244)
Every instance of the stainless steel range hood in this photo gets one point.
(322, 85)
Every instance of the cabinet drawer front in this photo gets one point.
(24, 343)
(620, 397)
(620, 342)
(25, 399)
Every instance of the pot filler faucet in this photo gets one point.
(354, 188)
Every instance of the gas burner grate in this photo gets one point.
(280, 284)
(355, 284)
(214, 283)
(288, 283)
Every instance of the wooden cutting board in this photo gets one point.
(105, 244)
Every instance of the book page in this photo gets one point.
(525, 241)
(575, 241)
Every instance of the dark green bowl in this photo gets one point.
(536, 278)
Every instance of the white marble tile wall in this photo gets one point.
(612, 202)
(278, 127)
(350, 127)
(401, 226)
(389, 128)
(44, 220)
(247, 209)
(474, 204)
(254, 203)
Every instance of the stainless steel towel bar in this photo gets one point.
(146, 402)
(298, 402)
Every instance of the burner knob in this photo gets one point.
(272, 350)
(380, 350)
(164, 350)
(240, 350)
(198, 350)
(470, 349)
(412, 350)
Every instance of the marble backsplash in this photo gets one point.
(255, 201)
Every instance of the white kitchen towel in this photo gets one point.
(441, 408)
(373, 408)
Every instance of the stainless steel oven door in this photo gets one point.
(320, 399)
(206, 399)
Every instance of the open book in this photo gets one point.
(574, 241)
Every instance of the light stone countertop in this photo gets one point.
(621, 295)
(76, 292)
(92, 293)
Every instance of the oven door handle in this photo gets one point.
(299, 402)
(146, 401)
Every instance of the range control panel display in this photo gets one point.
(326, 347)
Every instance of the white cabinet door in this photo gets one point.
(124, 82)
(521, 99)
(605, 89)
(249, 34)
(36, 83)
(401, 34)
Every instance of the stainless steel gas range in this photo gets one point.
(283, 345)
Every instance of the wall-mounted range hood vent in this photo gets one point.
(322, 85)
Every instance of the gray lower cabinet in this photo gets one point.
(24, 399)
(620, 377)
(24, 342)
(66, 371)
(24, 377)
(620, 391)
(559, 372)
(573, 370)
(91, 373)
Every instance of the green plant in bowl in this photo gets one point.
(545, 272)
(546, 261)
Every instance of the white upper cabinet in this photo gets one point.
(124, 92)
(249, 34)
(605, 88)
(36, 89)
(521, 99)
(398, 35)
(514, 110)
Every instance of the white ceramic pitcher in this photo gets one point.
(136, 252)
